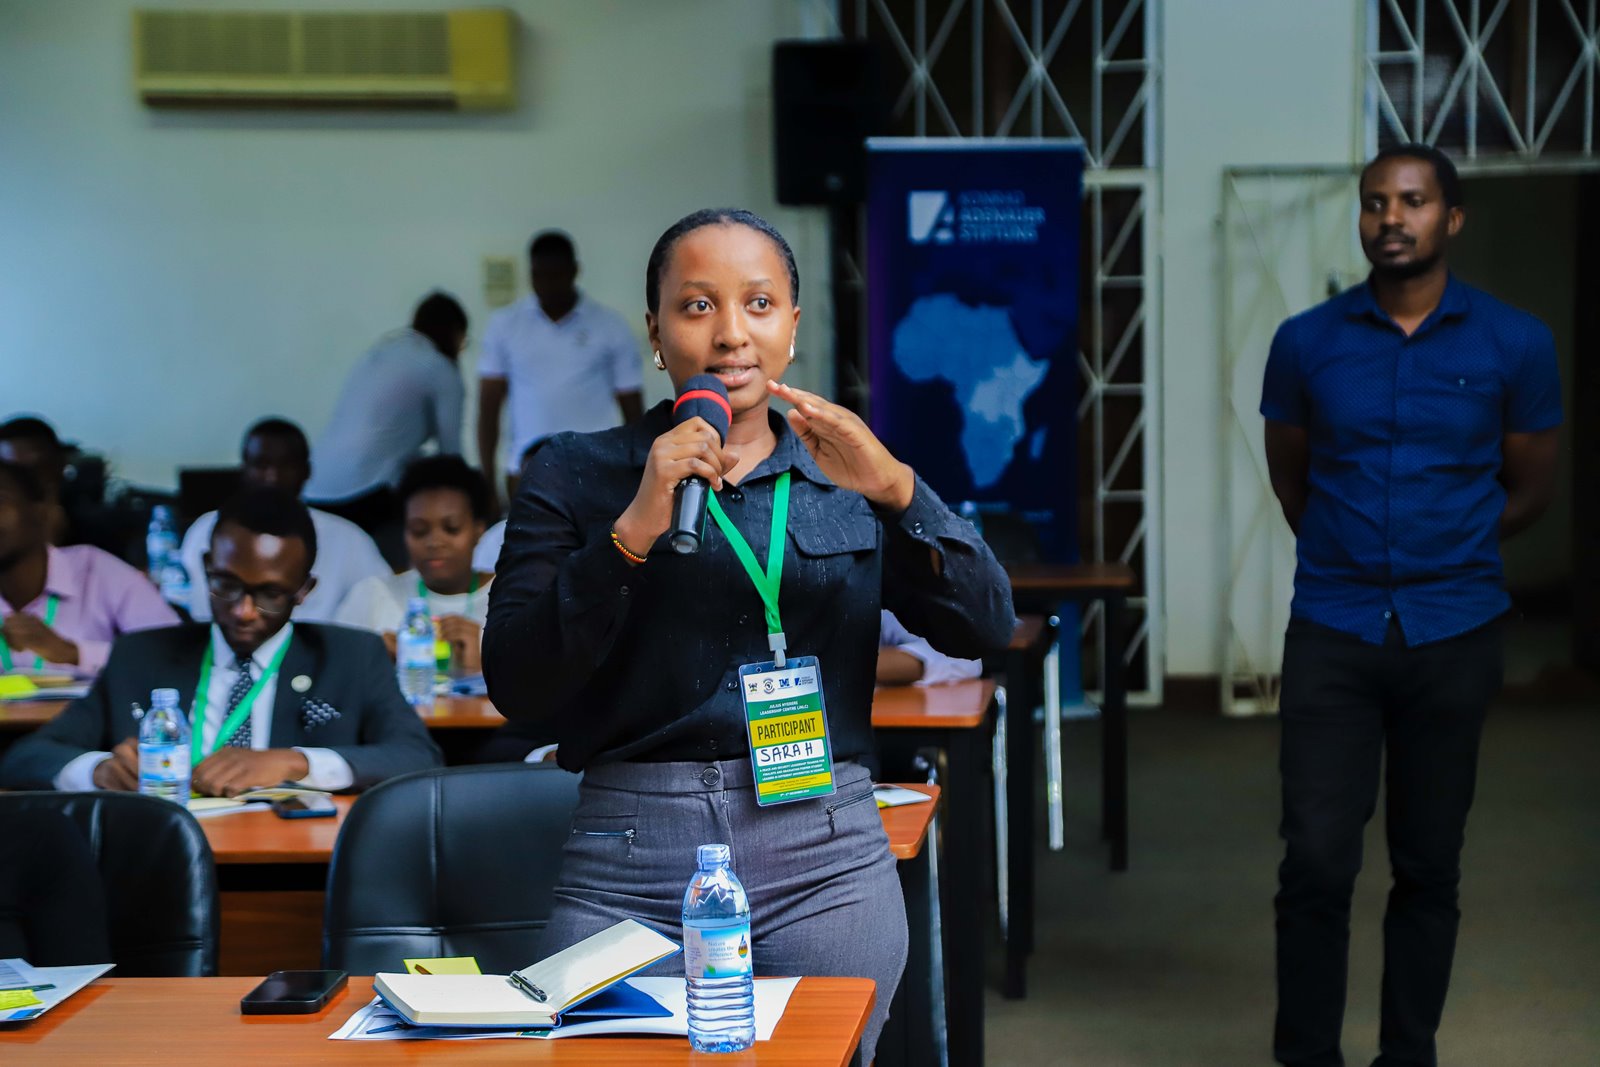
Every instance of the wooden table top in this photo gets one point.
(261, 837)
(1030, 628)
(907, 825)
(463, 713)
(1069, 578)
(950, 704)
(449, 713)
(178, 1021)
(20, 715)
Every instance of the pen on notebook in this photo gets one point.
(527, 987)
(25, 988)
(423, 970)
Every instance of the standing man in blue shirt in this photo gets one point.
(1410, 427)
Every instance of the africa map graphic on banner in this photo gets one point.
(972, 327)
(976, 350)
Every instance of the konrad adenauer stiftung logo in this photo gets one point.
(977, 216)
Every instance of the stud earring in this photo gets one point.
(661, 364)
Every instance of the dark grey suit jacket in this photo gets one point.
(375, 730)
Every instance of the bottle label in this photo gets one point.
(160, 762)
(723, 952)
(416, 654)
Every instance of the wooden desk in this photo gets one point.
(954, 718)
(916, 1022)
(907, 825)
(463, 713)
(21, 716)
(272, 875)
(449, 713)
(1043, 587)
(180, 1021)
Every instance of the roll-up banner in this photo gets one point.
(972, 282)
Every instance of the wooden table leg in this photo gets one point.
(1114, 738)
(961, 868)
(1023, 688)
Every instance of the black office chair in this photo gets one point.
(160, 882)
(457, 861)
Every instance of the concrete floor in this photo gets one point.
(1171, 963)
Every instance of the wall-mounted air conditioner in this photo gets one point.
(390, 59)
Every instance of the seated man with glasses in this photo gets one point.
(272, 701)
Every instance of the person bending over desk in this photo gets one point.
(61, 607)
(631, 654)
(275, 701)
(446, 506)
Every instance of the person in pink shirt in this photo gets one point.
(60, 608)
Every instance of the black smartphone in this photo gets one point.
(303, 807)
(293, 993)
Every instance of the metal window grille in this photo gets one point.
(1085, 69)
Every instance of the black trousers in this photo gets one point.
(1343, 703)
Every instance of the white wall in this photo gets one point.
(167, 277)
(1246, 82)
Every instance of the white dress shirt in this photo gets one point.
(379, 604)
(403, 393)
(345, 555)
(560, 375)
(936, 666)
(329, 770)
(487, 555)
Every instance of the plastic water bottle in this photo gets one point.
(414, 659)
(716, 955)
(164, 749)
(164, 564)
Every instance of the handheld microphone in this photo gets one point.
(703, 395)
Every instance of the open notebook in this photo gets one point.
(566, 980)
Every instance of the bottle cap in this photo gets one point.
(163, 698)
(713, 856)
(415, 604)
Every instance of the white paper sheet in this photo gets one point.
(66, 980)
(376, 1022)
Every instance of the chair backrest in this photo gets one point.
(160, 882)
(458, 861)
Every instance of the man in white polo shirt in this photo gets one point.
(565, 362)
(275, 454)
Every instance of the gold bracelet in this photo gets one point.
(629, 556)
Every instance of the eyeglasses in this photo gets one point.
(268, 599)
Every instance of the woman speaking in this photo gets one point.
(648, 666)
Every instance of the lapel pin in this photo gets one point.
(301, 683)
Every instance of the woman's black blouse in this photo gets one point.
(619, 662)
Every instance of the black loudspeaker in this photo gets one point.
(828, 97)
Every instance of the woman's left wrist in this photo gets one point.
(898, 494)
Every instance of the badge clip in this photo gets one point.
(777, 643)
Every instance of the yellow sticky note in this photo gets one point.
(13, 686)
(17, 998)
(444, 965)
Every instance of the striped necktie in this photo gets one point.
(241, 687)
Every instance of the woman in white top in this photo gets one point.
(446, 508)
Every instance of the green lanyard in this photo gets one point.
(230, 726)
(768, 581)
(51, 603)
(422, 590)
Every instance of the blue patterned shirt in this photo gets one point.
(1404, 504)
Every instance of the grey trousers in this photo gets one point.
(824, 896)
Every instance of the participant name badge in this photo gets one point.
(788, 728)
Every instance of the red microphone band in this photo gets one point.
(705, 394)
